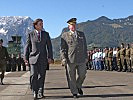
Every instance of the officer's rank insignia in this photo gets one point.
(70, 34)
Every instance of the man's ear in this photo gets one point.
(35, 26)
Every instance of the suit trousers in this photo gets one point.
(81, 71)
(37, 76)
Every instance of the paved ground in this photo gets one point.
(99, 85)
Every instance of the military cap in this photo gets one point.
(1, 40)
(72, 21)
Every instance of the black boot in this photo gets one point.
(111, 68)
(2, 82)
(129, 70)
(119, 69)
(124, 70)
(75, 96)
(132, 70)
(80, 91)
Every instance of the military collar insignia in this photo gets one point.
(70, 33)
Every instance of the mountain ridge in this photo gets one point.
(102, 32)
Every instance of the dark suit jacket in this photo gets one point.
(38, 50)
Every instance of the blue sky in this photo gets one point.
(55, 13)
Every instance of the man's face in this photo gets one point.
(39, 26)
(72, 27)
(122, 46)
(128, 46)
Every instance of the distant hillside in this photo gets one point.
(15, 25)
(103, 32)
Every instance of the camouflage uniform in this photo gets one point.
(122, 58)
(127, 57)
(118, 60)
(110, 59)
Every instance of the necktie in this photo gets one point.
(39, 36)
(75, 34)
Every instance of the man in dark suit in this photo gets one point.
(38, 53)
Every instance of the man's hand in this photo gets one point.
(64, 62)
(26, 62)
(50, 61)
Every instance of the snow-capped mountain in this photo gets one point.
(14, 25)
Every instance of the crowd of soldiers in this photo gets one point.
(109, 59)
(15, 63)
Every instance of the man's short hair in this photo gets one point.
(36, 21)
(122, 44)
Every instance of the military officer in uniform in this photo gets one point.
(118, 59)
(127, 57)
(3, 60)
(131, 57)
(122, 57)
(74, 56)
(110, 59)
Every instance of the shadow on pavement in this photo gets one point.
(103, 86)
(15, 84)
(86, 87)
(101, 96)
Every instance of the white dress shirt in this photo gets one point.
(38, 32)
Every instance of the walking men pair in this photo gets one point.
(38, 53)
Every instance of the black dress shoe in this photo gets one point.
(80, 91)
(75, 96)
(1, 83)
(128, 70)
(123, 70)
(132, 70)
(118, 70)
